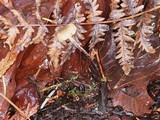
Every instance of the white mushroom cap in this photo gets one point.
(66, 32)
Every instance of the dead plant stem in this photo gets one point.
(10, 102)
(92, 23)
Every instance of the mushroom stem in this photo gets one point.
(78, 46)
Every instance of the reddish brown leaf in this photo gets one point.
(133, 98)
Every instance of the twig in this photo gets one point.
(37, 73)
(100, 66)
(92, 23)
(10, 102)
(34, 86)
(68, 109)
(117, 84)
(129, 17)
(57, 85)
(51, 87)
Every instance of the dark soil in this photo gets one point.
(71, 107)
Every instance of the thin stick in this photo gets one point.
(4, 86)
(103, 22)
(60, 84)
(129, 17)
(54, 86)
(79, 47)
(117, 84)
(37, 73)
(99, 64)
(10, 102)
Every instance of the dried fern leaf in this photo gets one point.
(65, 49)
(7, 61)
(2, 34)
(7, 3)
(5, 21)
(11, 56)
(65, 55)
(21, 43)
(56, 47)
(21, 20)
(58, 19)
(26, 39)
(11, 36)
(77, 19)
(11, 33)
(145, 29)
(156, 2)
(94, 16)
(124, 33)
(42, 30)
(132, 6)
(124, 45)
(54, 53)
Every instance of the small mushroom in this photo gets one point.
(66, 33)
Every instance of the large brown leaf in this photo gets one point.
(136, 82)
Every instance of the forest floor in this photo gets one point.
(77, 103)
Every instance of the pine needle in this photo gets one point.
(10, 102)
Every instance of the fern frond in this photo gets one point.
(26, 39)
(124, 33)
(11, 32)
(42, 30)
(11, 36)
(93, 12)
(67, 48)
(77, 19)
(133, 6)
(156, 2)
(11, 56)
(125, 8)
(54, 53)
(3, 34)
(6, 62)
(58, 19)
(65, 55)
(5, 21)
(145, 29)
(124, 45)
(7, 3)
(94, 16)
(56, 47)
(18, 15)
